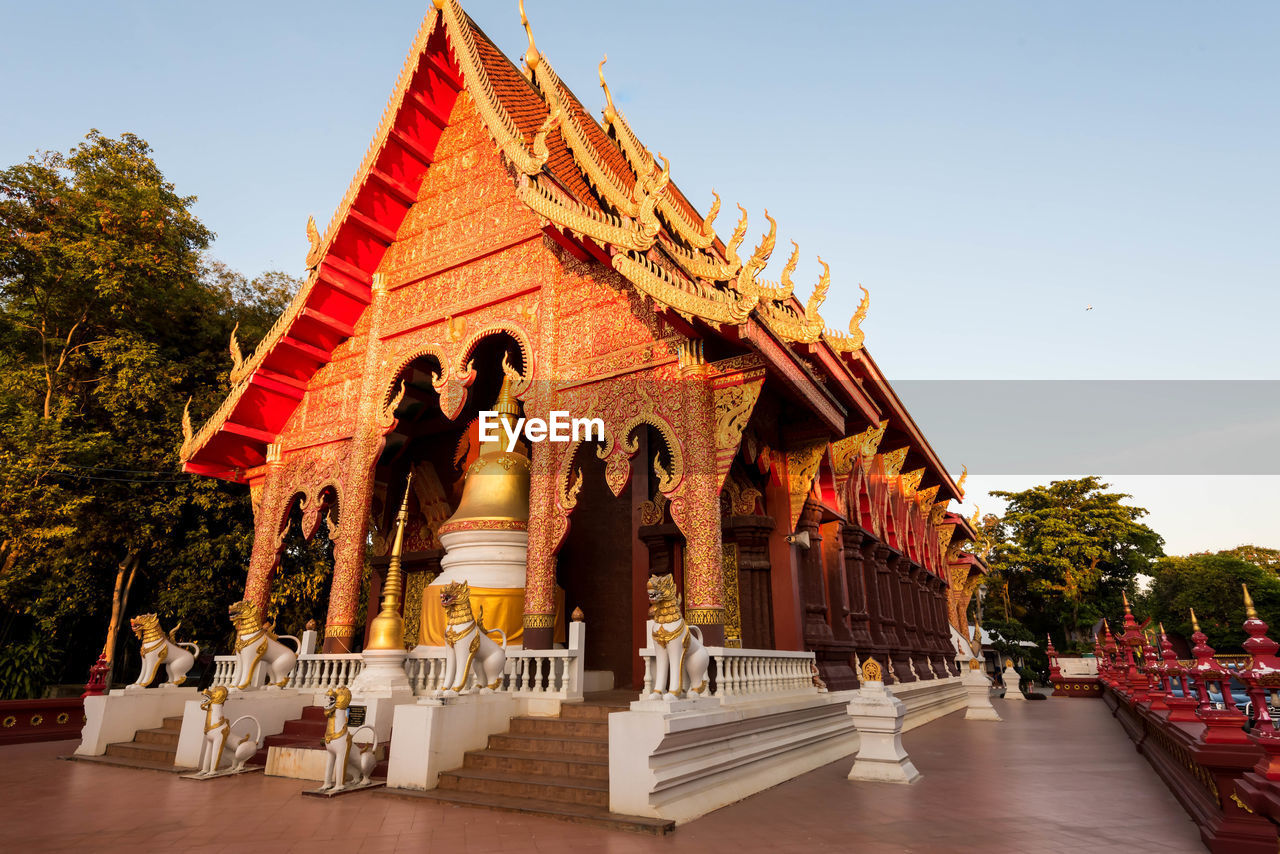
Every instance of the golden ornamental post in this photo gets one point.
(387, 630)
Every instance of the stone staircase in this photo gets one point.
(557, 767)
(152, 749)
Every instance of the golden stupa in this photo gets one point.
(486, 540)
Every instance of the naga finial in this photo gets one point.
(531, 55)
(187, 432)
(739, 233)
(313, 243)
(964, 470)
(785, 279)
(711, 214)
(819, 295)
(610, 114)
(976, 517)
(237, 358)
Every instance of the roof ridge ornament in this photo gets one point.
(531, 55)
(610, 114)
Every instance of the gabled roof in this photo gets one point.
(601, 194)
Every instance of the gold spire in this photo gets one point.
(610, 114)
(387, 629)
(1249, 611)
(531, 55)
(1125, 596)
(1195, 625)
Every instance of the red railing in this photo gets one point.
(1206, 728)
(40, 720)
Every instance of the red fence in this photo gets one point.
(40, 720)
(1205, 727)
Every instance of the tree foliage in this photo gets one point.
(1211, 585)
(1062, 554)
(111, 317)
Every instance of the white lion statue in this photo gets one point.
(338, 739)
(469, 645)
(160, 648)
(682, 659)
(216, 731)
(258, 649)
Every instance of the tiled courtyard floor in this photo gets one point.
(1056, 776)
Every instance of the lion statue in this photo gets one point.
(216, 730)
(469, 645)
(160, 648)
(338, 740)
(682, 660)
(259, 654)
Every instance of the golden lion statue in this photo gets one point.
(259, 654)
(160, 648)
(682, 660)
(465, 636)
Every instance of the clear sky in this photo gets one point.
(988, 170)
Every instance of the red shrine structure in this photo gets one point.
(499, 236)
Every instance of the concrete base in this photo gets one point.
(351, 787)
(118, 716)
(929, 699)
(594, 681)
(381, 686)
(679, 765)
(433, 735)
(977, 686)
(307, 763)
(271, 707)
(879, 716)
(225, 772)
(1011, 680)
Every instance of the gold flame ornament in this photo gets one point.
(387, 630)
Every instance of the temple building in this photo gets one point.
(500, 249)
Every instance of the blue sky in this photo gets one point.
(987, 169)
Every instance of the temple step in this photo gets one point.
(538, 764)
(150, 747)
(560, 727)
(576, 813)
(512, 785)
(597, 748)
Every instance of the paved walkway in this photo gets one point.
(1057, 776)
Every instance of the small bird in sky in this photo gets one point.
(1088, 308)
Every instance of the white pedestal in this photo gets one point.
(484, 558)
(381, 686)
(881, 757)
(271, 707)
(977, 686)
(118, 716)
(1011, 680)
(432, 736)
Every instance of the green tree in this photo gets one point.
(1211, 585)
(111, 317)
(1066, 551)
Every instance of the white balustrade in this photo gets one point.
(748, 674)
(549, 673)
(224, 670)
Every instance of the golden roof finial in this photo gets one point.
(610, 114)
(1195, 624)
(531, 56)
(1249, 611)
(975, 518)
(1162, 627)
(964, 470)
(1125, 598)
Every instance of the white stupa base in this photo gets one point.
(484, 558)
(380, 687)
(1011, 680)
(881, 757)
